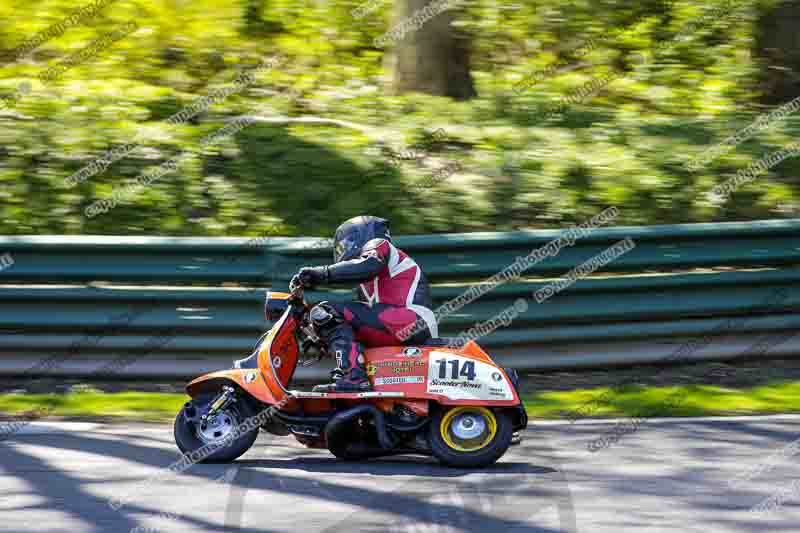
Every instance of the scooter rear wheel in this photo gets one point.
(470, 436)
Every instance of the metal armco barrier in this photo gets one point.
(91, 301)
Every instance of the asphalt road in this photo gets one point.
(678, 475)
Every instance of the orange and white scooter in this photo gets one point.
(452, 402)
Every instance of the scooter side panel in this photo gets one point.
(464, 376)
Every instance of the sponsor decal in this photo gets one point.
(396, 367)
(277, 361)
(381, 364)
(399, 379)
(451, 383)
(497, 376)
(412, 352)
(250, 377)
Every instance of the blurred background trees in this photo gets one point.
(627, 145)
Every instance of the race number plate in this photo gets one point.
(461, 378)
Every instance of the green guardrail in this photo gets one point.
(677, 284)
(447, 257)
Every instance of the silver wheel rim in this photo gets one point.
(468, 426)
(216, 429)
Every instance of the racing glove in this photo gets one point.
(310, 276)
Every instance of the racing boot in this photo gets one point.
(355, 379)
(351, 374)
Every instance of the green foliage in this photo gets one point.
(627, 145)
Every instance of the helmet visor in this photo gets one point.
(344, 249)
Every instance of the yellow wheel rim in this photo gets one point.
(468, 429)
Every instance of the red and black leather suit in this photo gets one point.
(393, 299)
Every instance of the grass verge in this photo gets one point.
(699, 400)
(144, 406)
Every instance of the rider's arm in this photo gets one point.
(374, 258)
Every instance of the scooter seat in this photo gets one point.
(441, 342)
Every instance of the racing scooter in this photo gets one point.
(442, 399)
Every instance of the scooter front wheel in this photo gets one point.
(470, 436)
(218, 440)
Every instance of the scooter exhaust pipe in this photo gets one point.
(337, 438)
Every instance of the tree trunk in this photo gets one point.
(777, 44)
(433, 59)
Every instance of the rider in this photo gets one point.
(393, 298)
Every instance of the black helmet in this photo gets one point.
(351, 236)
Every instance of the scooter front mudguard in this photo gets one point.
(249, 380)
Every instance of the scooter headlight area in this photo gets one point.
(439, 399)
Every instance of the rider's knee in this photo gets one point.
(325, 318)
